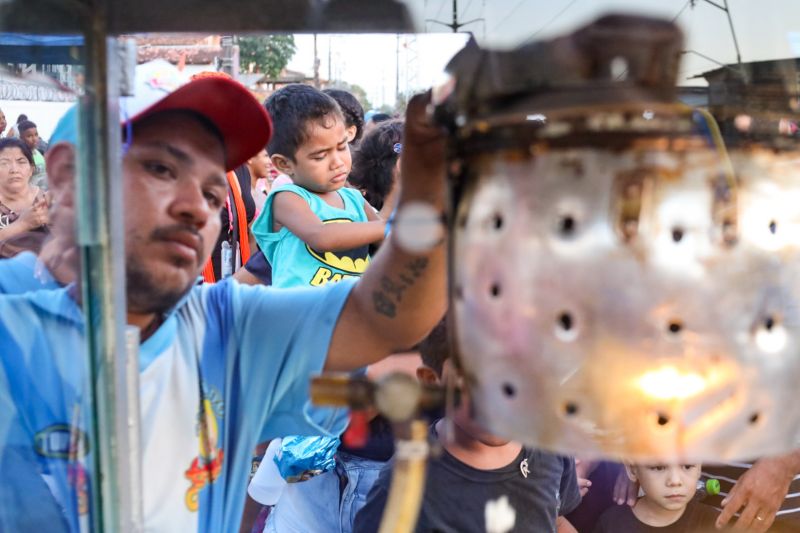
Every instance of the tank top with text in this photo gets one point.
(296, 264)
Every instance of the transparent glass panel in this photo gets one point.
(65, 398)
(48, 446)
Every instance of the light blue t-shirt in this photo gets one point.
(228, 368)
(23, 273)
(294, 263)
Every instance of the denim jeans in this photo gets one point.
(327, 503)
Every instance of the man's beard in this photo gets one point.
(145, 294)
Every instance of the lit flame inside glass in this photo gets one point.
(668, 383)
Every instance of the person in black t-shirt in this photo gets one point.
(479, 478)
(668, 504)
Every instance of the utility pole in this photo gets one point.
(316, 63)
(455, 25)
(412, 65)
(397, 70)
(226, 63)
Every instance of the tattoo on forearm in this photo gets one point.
(392, 288)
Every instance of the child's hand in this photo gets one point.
(583, 486)
(582, 471)
(625, 490)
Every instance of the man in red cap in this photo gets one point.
(222, 366)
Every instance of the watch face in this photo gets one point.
(418, 227)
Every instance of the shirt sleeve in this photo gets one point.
(283, 337)
(570, 494)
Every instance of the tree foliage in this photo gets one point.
(268, 54)
(356, 90)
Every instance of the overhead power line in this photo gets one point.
(508, 15)
(724, 7)
(679, 13)
(466, 9)
(552, 20)
(441, 7)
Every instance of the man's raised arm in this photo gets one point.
(402, 295)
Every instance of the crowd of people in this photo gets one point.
(23, 202)
(259, 251)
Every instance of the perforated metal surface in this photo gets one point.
(631, 300)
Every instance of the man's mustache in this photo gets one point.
(184, 233)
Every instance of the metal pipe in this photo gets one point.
(133, 514)
(101, 242)
(408, 478)
(399, 398)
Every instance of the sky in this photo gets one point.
(377, 62)
(765, 29)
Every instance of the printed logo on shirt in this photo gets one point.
(347, 264)
(206, 467)
(524, 469)
(78, 478)
(61, 441)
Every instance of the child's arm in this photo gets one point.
(563, 526)
(390, 202)
(293, 212)
(402, 295)
(371, 213)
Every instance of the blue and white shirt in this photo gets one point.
(23, 273)
(228, 368)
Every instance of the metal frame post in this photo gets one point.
(116, 503)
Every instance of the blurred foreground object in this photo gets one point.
(401, 399)
(624, 274)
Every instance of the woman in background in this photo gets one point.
(23, 206)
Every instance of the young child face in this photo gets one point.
(30, 137)
(670, 486)
(462, 415)
(322, 163)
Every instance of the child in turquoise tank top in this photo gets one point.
(316, 230)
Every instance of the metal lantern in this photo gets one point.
(624, 268)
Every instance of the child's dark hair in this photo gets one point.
(351, 108)
(292, 108)
(435, 349)
(374, 161)
(14, 142)
(25, 125)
